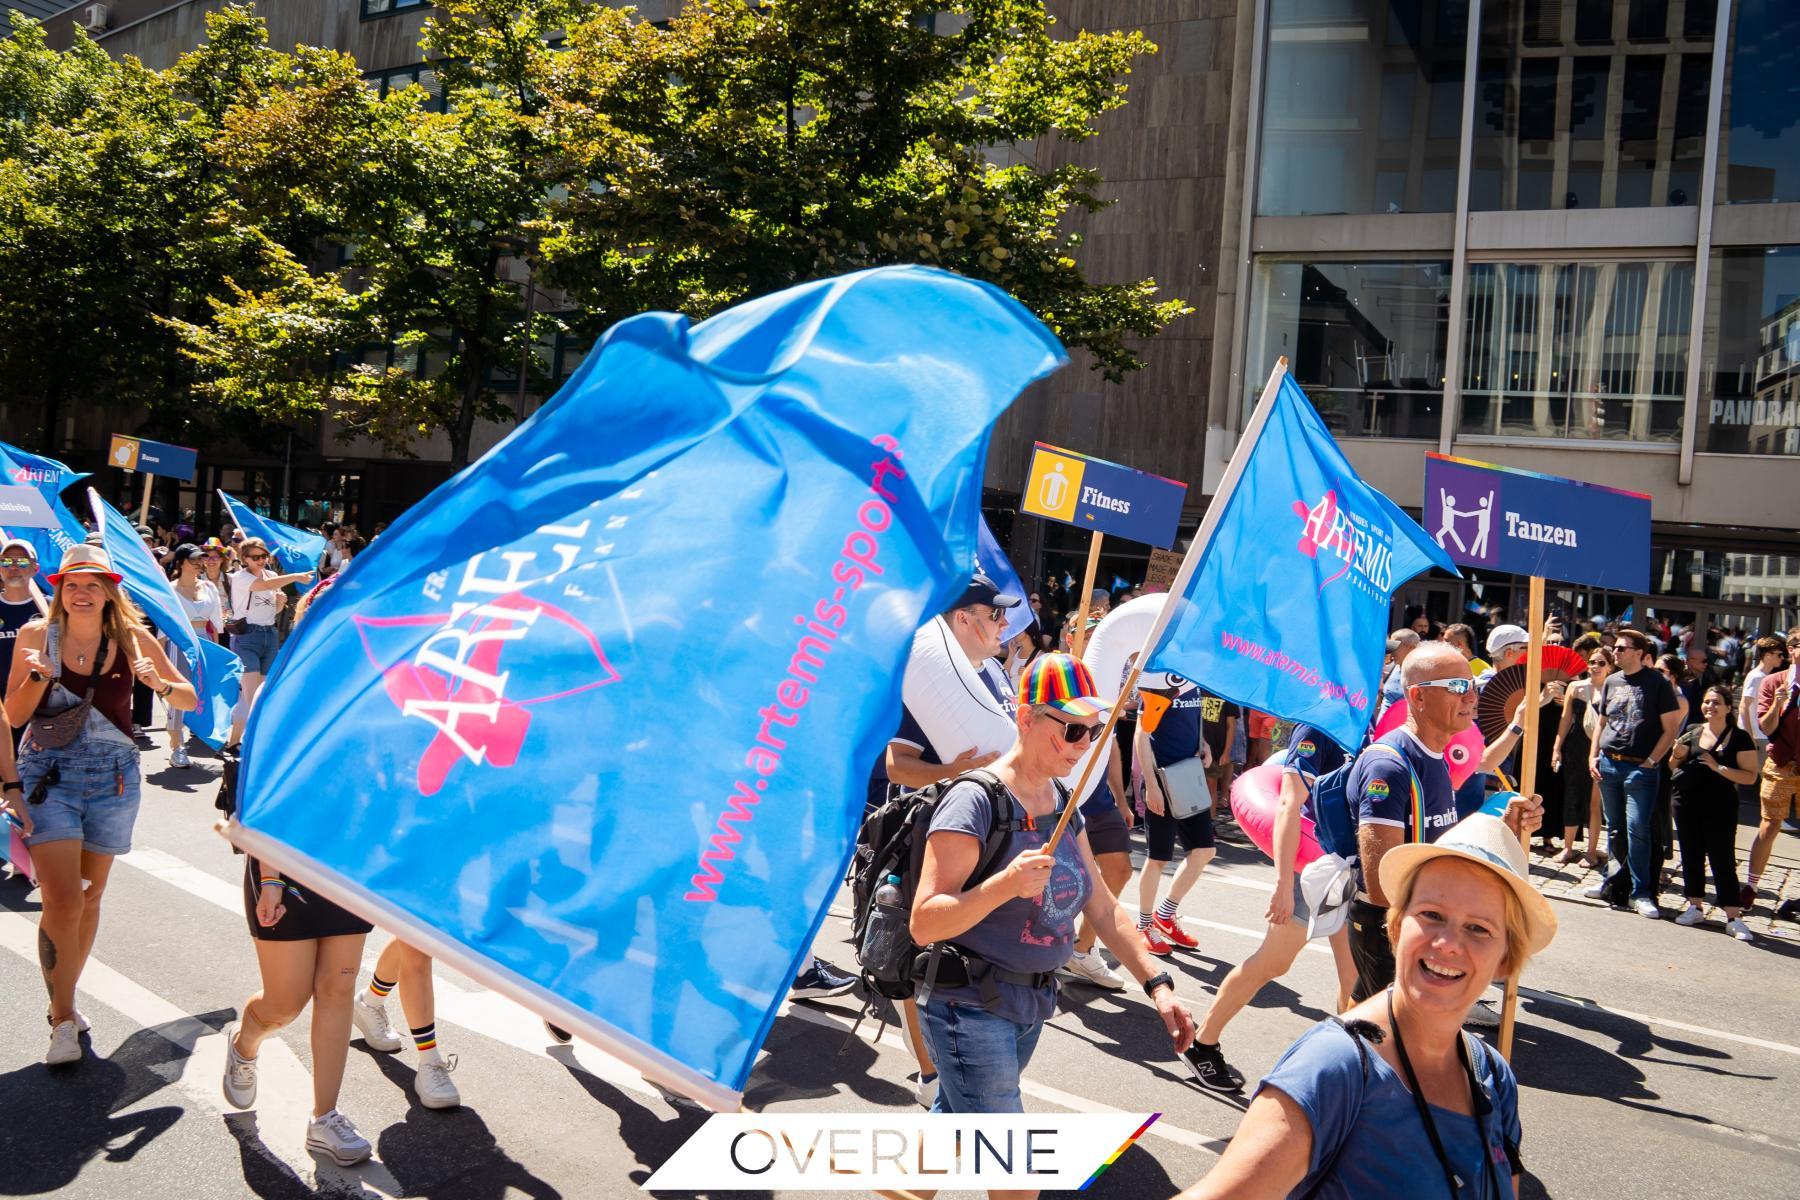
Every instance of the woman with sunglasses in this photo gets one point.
(1569, 760)
(206, 613)
(78, 766)
(1710, 760)
(217, 562)
(256, 595)
(996, 943)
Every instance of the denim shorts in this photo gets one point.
(95, 797)
(256, 649)
(979, 1057)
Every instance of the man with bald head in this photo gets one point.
(1400, 787)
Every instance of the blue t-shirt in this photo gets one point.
(1311, 754)
(1373, 1127)
(1177, 735)
(1384, 792)
(1100, 800)
(912, 734)
(1021, 935)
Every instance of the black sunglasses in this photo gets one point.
(1075, 734)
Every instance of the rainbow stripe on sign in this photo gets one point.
(1599, 487)
(1123, 1147)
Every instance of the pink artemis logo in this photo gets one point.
(1327, 528)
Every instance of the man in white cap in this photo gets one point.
(18, 567)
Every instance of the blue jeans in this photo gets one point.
(1628, 798)
(979, 1057)
(95, 797)
(256, 648)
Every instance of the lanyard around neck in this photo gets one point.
(1454, 1180)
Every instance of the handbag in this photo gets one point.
(1184, 787)
(53, 731)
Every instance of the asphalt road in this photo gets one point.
(1654, 1060)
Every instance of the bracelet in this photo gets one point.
(12, 786)
(166, 689)
(1160, 979)
(280, 883)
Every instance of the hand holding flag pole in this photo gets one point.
(1240, 458)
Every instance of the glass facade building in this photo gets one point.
(1559, 221)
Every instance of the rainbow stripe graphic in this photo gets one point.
(1123, 1147)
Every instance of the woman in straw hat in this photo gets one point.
(71, 679)
(1393, 1099)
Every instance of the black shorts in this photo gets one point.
(308, 915)
(1107, 831)
(1159, 833)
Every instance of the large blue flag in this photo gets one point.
(295, 549)
(215, 672)
(998, 567)
(49, 477)
(1284, 607)
(593, 721)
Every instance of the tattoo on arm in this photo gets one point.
(46, 955)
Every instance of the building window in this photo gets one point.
(1582, 350)
(387, 8)
(1362, 106)
(1364, 339)
(1750, 387)
(1759, 126)
(1597, 104)
(397, 78)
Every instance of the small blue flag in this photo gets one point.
(998, 567)
(1284, 607)
(49, 477)
(592, 722)
(294, 549)
(215, 672)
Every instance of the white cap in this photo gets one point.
(1502, 636)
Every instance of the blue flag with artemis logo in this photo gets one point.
(1284, 608)
(49, 477)
(215, 672)
(295, 550)
(592, 722)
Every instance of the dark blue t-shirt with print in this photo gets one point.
(1310, 754)
(1397, 781)
(1177, 735)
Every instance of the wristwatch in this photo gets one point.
(1160, 979)
(1516, 729)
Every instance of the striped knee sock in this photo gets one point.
(425, 1038)
(379, 989)
(1167, 910)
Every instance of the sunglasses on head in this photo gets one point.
(1456, 687)
(1075, 734)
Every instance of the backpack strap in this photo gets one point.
(1355, 1031)
(1004, 810)
(1418, 790)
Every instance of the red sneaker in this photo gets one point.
(1154, 944)
(1174, 934)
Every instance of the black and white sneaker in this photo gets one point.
(821, 980)
(1210, 1069)
(558, 1034)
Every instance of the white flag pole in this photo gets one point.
(1234, 471)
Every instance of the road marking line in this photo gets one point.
(284, 1091)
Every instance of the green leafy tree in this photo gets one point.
(747, 146)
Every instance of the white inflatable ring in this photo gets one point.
(956, 711)
(1120, 635)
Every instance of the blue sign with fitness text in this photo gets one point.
(1526, 523)
(1106, 497)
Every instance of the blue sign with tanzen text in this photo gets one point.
(1507, 519)
(1092, 493)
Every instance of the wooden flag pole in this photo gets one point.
(1234, 471)
(144, 508)
(1078, 638)
(1534, 682)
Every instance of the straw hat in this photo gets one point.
(1484, 839)
(85, 560)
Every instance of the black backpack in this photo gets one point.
(892, 842)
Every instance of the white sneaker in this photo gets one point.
(1692, 915)
(240, 1072)
(1647, 908)
(433, 1085)
(1597, 892)
(1092, 968)
(1482, 1016)
(81, 1022)
(1739, 930)
(335, 1137)
(65, 1044)
(179, 758)
(925, 1091)
(371, 1020)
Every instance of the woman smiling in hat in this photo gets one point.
(71, 679)
(1393, 1099)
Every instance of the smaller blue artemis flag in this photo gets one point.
(1282, 601)
(294, 549)
(593, 721)
(215, 672)
(998, 567)
(49, 477)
